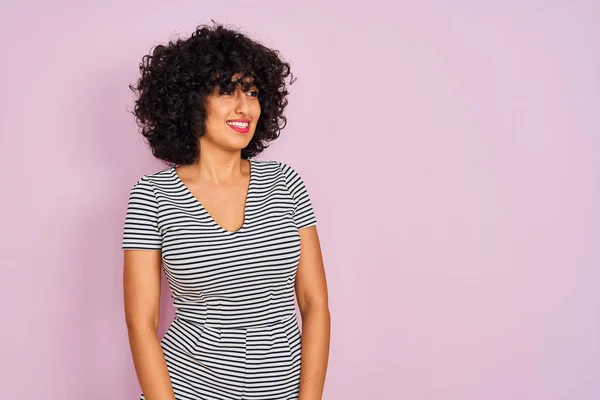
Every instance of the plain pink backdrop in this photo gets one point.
(451, 150)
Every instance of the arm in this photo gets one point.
(311, 292)
(141, 289)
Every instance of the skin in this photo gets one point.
(219, 180)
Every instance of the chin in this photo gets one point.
(239, 144)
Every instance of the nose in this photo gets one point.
(242, 106)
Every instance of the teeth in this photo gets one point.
(239, 124)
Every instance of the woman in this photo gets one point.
(236, 236)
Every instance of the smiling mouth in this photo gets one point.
(239, 126)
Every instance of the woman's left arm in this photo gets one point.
(311, 293)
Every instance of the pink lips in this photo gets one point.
(239, 129)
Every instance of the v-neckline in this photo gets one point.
(199, 204)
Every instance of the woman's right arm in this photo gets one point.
(141, 290)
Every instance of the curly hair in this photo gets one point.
(176, 78)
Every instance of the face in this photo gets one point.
(231, 117)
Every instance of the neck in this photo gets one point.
(217, 166)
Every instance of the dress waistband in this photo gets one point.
(234, 327)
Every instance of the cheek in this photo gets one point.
(215, 115)
(257, 109)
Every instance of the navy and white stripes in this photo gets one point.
(235, 334)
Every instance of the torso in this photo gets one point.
(217, 274)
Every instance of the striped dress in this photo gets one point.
(235, 335)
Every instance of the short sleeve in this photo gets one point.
(304, 214)
(141, 220)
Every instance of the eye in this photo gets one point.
(253, 93)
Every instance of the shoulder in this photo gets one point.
(280, 167)
(165, 176)
(288, 175)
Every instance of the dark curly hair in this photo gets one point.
(176, 78)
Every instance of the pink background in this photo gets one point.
(451, 151)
